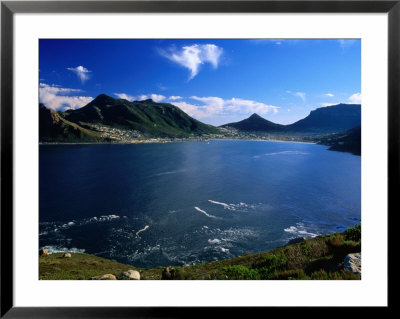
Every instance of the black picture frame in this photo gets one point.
(9, 8)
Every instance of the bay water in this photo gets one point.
(192, 202)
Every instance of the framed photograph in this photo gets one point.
(164, 155)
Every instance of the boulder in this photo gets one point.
(296, 241)
(105, 277)
(352, 262)
(168, 273)
(44, 252)
(67, 255)
(131, 274)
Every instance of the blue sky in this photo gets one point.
(215, 81)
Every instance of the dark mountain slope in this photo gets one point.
(256, 123)
(350, 142)
(334, 118)
(54, 128)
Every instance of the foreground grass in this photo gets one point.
(318, 258)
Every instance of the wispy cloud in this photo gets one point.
(301, 95)
(355, 98)
(216, 106)
(141, 97)
(329, 104)
(191, 57)
(125, 96)
(59, 98)
(81, 72)
(329, 94)
(175, 97)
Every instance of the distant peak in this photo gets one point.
(147, 101)
(254, 116)
(103, 97)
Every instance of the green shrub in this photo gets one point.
(353, 233)
(273, 262)
(241, 272)
(335, 240)
(306, 248)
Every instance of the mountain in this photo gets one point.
(350, 141)
(256, 123)
(147, 117)
(54, 128)
(105, 117)
(333, 118)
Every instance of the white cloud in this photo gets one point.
(81, 72)
(329, 94)
(301, 95)
(216, 106)
(175, 97)
(329, 104)
(56, 97)
(191, 57)
(355, 98)
(141, 97)
(125, 96)
(154, 97)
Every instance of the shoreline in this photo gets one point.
(171, 141)
(301, 258)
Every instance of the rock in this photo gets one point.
(105, 277)
(296, 241)
(67, 255)
(352, 262)
(44, 252)
(168, 273)
(131, 274)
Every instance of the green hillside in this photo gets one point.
(148, 117)
(55, 128)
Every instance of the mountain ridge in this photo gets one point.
(106, 114)
(334, 118)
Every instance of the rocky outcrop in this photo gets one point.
(168, 273)
(67, 255)
(130, 274)
(105, 277)
(352, 262)
(44, 252)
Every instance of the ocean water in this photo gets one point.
(186, 203)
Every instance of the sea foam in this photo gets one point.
(204, 212)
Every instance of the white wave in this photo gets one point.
(241, 206)
(224, 250)
(282, 153)
(205, 213)
(142, 230)
(214, 241)
(300, 229)
(227, 206)
(59, 249)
